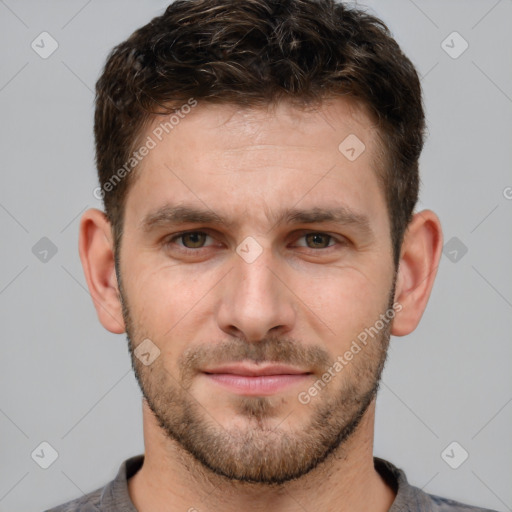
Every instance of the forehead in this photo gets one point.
(326, 122)
(228, 157)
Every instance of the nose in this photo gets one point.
(255, 301)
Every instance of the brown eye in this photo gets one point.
(193, 240)
(317, 240)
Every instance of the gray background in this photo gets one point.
(67, 381)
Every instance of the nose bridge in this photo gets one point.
(255, 301)
(256, 282)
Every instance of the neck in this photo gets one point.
(171, 479)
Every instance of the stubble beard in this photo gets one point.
(265, 449)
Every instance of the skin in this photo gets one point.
(310, 299)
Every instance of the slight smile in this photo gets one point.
(251, 380)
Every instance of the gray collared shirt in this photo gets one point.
(114, 497)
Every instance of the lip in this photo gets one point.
(252, 380)
(256, 371)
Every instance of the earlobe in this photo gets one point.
(420, 256)
(97, 256)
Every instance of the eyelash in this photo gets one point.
(170, 240)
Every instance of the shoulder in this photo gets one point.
(87, 503)
(446, 505)
(410, 498)
(113, 496)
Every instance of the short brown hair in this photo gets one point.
(255, 52)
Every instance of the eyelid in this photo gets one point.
(176, 236)
(337, 239)
(304, 235)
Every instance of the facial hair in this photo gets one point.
(264, 450)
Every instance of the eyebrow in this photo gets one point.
(169, 215)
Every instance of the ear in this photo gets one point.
(97, 255)
(419, 259)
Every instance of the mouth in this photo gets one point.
(252, 380)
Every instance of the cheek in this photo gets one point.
(162, 300)
(346, 302)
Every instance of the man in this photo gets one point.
(258, 162)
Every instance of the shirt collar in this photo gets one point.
(115, 495)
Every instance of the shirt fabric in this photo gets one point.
(114, 497)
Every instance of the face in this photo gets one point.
(256, 256)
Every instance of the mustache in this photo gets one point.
(271, 349)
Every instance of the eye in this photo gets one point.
(194, 240)
(317, 240)
(190, 239)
